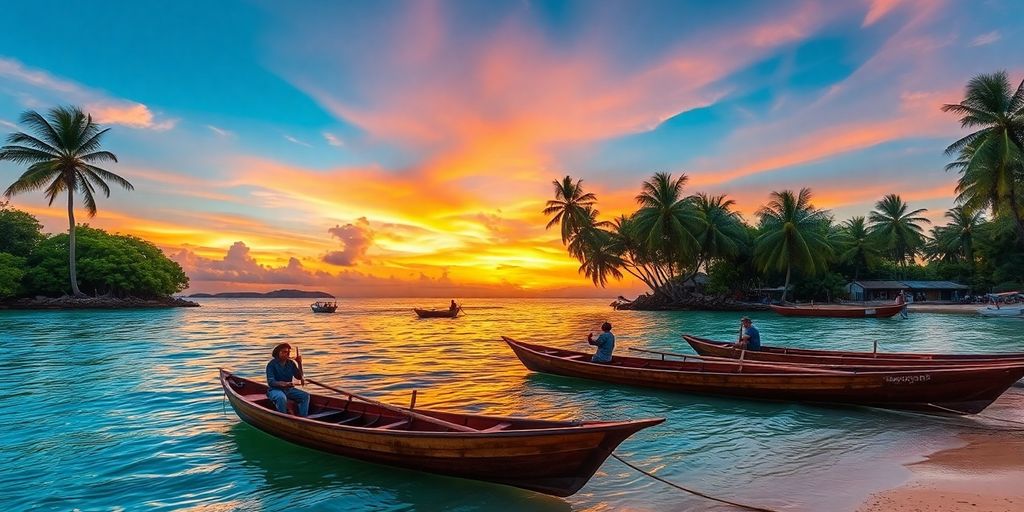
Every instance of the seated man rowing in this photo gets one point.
(280, 372)
(750, 338)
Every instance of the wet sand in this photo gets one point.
(956, 309)
(985, 474)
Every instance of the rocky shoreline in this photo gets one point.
(67, 302)
(695, 302)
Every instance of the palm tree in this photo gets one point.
(666, 221)
(857, 246)
(955, 241)
(569, 207)
(61, 158)
(793, 233)
(898, 230)
(722, 233)
(991, 159)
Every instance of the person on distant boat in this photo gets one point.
(904, 299)
(605, 344)
(280, 372)
(750, 337)
(454, 306)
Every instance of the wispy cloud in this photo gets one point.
(103, 107)
(333, 139)
(987, 38)
(221, 132)
(293, 140)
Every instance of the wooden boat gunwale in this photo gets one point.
(960, 390)
(786, 355)
(838, 311)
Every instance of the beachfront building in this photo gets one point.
(919, 290)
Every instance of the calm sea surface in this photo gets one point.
(122, 409)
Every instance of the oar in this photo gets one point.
(302, 379)
(411, 414)
(714, 359)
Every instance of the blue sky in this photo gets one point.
(427, 133)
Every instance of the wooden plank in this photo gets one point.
(499, 426)
(394, 425)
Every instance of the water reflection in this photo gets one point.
(285, 470)
(132, 406)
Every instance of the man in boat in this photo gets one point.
(750, 337)
(280, 372)
(454, 306)
(605, 344)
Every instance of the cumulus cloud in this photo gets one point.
(355, 240)
(239, 266)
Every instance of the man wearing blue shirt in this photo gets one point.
(750, 338)
(280, 372)
(605, 343)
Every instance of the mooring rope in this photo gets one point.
(691, 491)
(993, 418)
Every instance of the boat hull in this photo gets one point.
(556, 458)
(436, 313)
(839, 311)
(959, 391)
(1002, 312)
(724, 349)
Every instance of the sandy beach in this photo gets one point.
(956, 309)
(984, 475)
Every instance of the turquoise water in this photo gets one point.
(122, 409)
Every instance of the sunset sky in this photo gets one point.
(407, 148)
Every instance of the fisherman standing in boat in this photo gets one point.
(750, 337)
(280, 372)
(605, 344)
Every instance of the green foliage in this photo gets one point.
(897, 230)
(118, 265)
(19, 231)
(826, 287)
(11, 272)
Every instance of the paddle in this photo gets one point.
(298, 359)
(410, 413)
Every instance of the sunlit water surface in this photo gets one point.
(122, 409)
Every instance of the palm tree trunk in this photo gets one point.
(71, 246)
(785, 287)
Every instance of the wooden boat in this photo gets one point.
(551, 457)
(437, 313)
(706, 347)
(965, 390)
(324, 307)
(839, 311)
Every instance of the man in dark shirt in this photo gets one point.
(280, 372)
(750, 338)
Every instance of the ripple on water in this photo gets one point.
(134, 417)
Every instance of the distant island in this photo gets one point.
(276, 294)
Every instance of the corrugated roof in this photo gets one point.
(881, 285)
(935, 285)
(913, 285)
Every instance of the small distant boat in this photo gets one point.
(437, 313)
(839, 358)
(839, 311)
(551, 457)
(966, 390)
(1007, 312)
(324, 307)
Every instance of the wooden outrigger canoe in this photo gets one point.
(437, 313)
(551, 457)
(838, 311)
(706, 347)
(955, 390)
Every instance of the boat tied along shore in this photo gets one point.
(546, 456)
(838, 358)
(937, 390)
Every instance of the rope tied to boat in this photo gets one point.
(691, 491)
(987, 417)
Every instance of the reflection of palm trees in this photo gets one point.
(297, 477)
